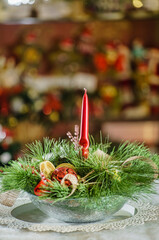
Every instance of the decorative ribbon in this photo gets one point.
(73, 180)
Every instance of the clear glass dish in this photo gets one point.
(80, 210)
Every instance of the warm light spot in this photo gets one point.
(25, 109)
(108, 91)
(54, 116)
(32, 94)
(38, 104)
(13, 122)
(47, 109)
(137, 3)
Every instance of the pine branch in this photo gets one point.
(99, 176)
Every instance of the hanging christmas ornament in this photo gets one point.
(47, 168)
(61, 172)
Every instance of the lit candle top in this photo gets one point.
(84, 139)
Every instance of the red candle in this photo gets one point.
(84, 140)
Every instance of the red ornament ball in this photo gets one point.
(60, 172)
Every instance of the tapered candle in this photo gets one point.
(84, 140)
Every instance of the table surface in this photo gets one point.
(147, 231)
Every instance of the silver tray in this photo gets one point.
(24, 215)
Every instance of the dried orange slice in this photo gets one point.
(47, 168)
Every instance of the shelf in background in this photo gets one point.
(32, 21)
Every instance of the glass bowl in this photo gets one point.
(80, 210)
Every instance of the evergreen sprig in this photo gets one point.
(100, 176)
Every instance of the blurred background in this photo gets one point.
(51, 49)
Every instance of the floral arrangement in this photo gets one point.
(81, 168)
(43, 169)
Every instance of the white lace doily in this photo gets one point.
(136, 214)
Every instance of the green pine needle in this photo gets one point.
(99, 176)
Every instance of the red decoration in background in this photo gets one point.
(86, 33)
(84, 140)
(142, 67)
(4, 106)
(86, 42)
(96, 108)
(31, 38)
(5, 94)
(119, 64)
(67, 44)
(100, 62)
(52, 103)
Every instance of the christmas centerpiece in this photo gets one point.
(81, 180)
